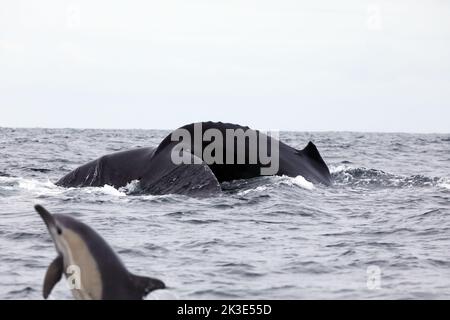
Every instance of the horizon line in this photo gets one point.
(166, 129)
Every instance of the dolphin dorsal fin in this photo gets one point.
(53, 275)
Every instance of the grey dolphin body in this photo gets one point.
(159, 175)
(95, 271)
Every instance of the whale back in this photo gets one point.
(116, 169)
(159, 174)
(191, 178)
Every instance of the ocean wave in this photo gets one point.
(345, 175)
(163, 295)
(48, 188)
(31, 185)
(277, 181)
(444, 183)
(4, 174)
(256, 190)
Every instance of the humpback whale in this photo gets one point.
(94, 270)
(158, 173)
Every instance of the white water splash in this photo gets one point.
(107, 190)
(48, 188)
(276, 181)
(131, 187)
(31, 185)
(444, 183)
(35, 185)
(339, 168)
(298, 181)
(257, 189)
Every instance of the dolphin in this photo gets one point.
(94, 271)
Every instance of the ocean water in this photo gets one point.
(381, 231)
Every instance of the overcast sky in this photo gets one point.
(285, 64)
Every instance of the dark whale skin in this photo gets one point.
(159, 175)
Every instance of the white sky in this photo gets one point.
(281, 64)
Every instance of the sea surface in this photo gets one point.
(381, 231)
